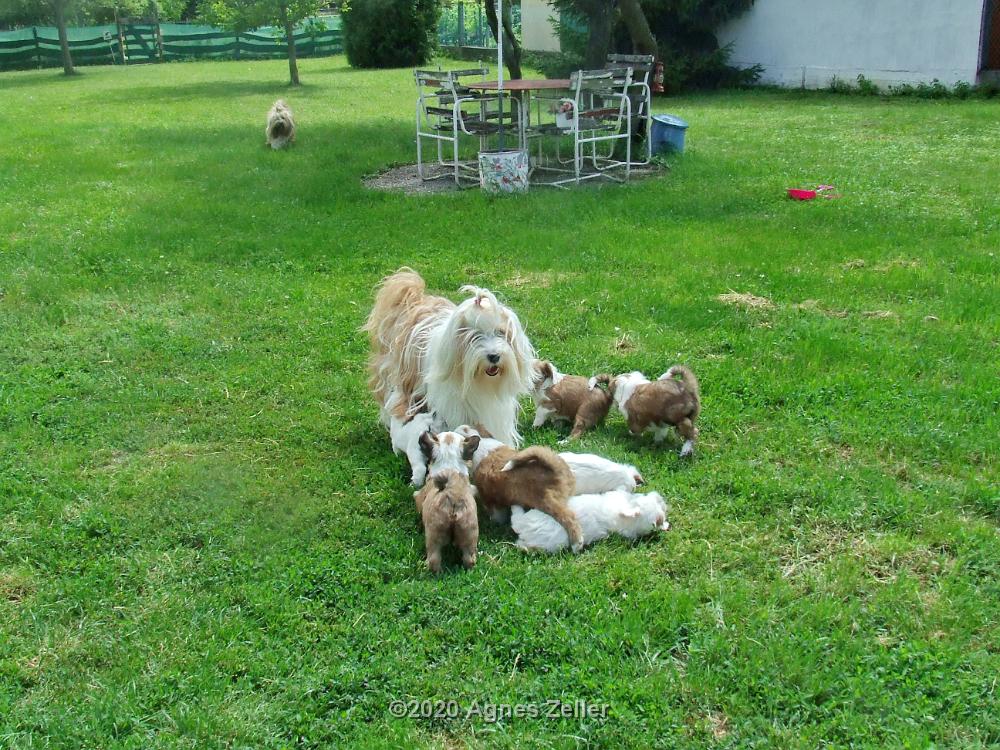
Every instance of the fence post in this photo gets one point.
(461, 24)
(38, 49)
(236, 49)
(159, 38)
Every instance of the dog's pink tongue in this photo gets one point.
(491, 371)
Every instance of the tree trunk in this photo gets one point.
(511, 48)
(643, 42)
(600, 22)
(59, 6)
(293, 64)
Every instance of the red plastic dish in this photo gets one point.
(801, 195)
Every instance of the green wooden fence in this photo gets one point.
(128, 44)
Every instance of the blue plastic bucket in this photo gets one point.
(668, 133)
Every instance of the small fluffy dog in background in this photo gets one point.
(446, 503)
(466, 363)
(280, 130)
(535, 478)
(619, 512)
(594, 474)
(569, 398)
(659, 405)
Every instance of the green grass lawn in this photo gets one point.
(205, 540)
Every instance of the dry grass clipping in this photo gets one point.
(747, 300)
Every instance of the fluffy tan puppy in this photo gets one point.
(448, 510)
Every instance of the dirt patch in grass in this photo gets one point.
(15, 587)
(404, 179)
(747, 300)
(624, 342)
(718, 724)
(538, 279)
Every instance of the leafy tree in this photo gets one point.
(64, 13)
(679, 32)
(511, 47)
(30, 12)
(389, 33)
(241, 15)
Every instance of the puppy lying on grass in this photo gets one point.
(569, 398)
(596, 474)
(446, 503)
(627, 514)
(659, 405)
(535, 478)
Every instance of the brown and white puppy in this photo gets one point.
(446, 504)
(533, 478)
(659, 405)
(280, 130)
(568, 398)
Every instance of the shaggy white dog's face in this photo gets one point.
(490, 343)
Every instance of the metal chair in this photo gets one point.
(640, 95)
(446, 111)
(601, 114)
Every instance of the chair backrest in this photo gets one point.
(600, 94)
(593, 81)
(642, 65)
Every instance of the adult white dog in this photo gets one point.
(465, 363)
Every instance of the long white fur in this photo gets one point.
(628, 514)
(595, 474)
(455, 344)
(405, 438)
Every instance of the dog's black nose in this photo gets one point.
(493, 358)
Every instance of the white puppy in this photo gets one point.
(624, 513)
(405, 435)
(595, 474)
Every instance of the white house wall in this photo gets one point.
(808, 42)
(536, 30)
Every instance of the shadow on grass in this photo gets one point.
(13, 79)
(214, 90)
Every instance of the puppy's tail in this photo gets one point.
(687, 377)
(538, 455)
(396, 292)
(603, 379)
